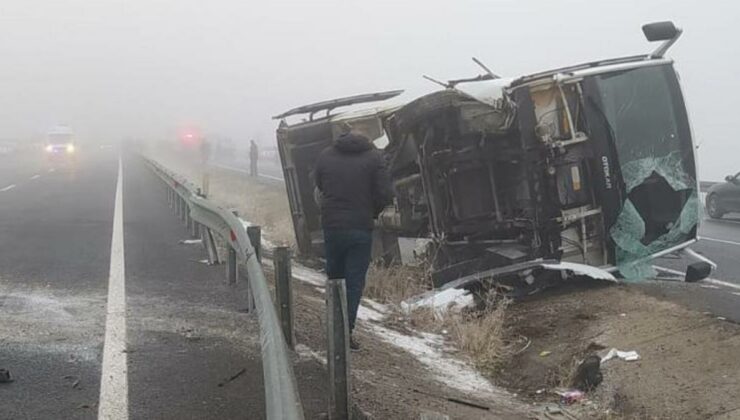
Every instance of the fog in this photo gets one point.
(114, 69)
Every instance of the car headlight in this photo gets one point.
(70, 148)
(49, 148)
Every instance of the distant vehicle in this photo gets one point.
(7, 147)
(724, 197)
(588, 169)
(60, 143)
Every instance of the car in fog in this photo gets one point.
(724, 197)
(60, 143)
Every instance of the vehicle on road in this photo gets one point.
(724, 197)
(587, 169)
(60, 144)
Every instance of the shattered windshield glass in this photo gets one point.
(645, 112)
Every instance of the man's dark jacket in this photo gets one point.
(353, 183)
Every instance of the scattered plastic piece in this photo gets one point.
(572, 396)
(545, 353)
(627, 356)
(5, 376)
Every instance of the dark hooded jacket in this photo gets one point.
(353, 183)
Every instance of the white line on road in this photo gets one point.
(114, 377)
(37, 176)
(708, 280)
(8, 188)
(721, 241)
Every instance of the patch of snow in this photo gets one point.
(367, 314)
(308, 275)
(446, 369)
(380, 307)
(440, 302)
(306, 353)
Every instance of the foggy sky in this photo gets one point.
(113, 69)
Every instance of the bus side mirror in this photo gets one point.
(661, 31)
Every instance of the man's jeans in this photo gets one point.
(348, 257)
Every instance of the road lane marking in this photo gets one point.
(114, 377)
(708, 279)
(8, 188)
(37, 176)
(721, 241)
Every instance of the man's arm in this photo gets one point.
(382, 191)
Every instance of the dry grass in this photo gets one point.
(261, 204)
(396, 283)
(482, 336)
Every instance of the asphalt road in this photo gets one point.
(181, 329)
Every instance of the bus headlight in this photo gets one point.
(70, 148)
(49, 148)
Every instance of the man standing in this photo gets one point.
(353, 187)
(253, 156)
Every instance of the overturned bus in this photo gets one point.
(585, 170)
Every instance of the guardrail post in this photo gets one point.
(210, 245)
(254, 233)
(284, 292)
(187, 218)
(255, 237)
(206, 184)
(337, 356)
(231, 267)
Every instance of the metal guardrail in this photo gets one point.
(282, 400)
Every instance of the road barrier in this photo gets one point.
(282, 400)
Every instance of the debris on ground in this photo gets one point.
(588, 375)
(627, 356)
(571, 396)
(232, 377)
(5, 376)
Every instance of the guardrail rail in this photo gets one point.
(204, 219)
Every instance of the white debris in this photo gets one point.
(582, 269)
(440, 302)
(191, 241)
(627, 356)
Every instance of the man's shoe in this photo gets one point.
(353, 344)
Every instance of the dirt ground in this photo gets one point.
(688, 367)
